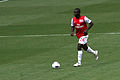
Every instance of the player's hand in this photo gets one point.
(85, 32)
(72, 34)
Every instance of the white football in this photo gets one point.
(56, 65)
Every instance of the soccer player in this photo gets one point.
(79, 23)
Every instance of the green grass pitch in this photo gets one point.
(24, 57)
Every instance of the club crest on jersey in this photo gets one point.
(81, 20)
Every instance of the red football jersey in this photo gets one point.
(80, 25)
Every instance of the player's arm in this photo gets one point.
(72, 27)
(89, 26)
(72, 30)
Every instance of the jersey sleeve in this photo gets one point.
(87, 20)
(72, 23)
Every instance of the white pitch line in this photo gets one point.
(107, 33)
(54, 35)
(38, 35)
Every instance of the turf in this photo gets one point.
(30, 58)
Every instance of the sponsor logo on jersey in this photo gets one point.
(78, 26)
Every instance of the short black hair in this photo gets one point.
(78, 9)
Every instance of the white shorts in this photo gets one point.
(83, 39)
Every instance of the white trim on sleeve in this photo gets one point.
(87, 20)
(72, 23)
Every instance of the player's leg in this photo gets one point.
(79, 55)
(94, 52)
(3, 0)
(81, 42)
(90, 50)
(85, 47)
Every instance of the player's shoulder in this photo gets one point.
(82, 17)
(74, 18)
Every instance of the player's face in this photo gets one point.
(76, 13)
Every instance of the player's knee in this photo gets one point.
(85, 47)
(79, 47)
